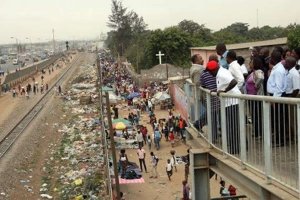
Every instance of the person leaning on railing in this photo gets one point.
(226, 83)
(207, 81)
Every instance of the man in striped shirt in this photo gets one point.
(206, 79)
(209, 82)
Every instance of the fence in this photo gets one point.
(261, 132)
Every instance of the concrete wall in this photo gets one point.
(14, 78)
(156, 73)
(180, 100)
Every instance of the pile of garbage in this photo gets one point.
(79, 160)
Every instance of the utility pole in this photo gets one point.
(28, 38)
(17, 45)
(167, 68)
(137, 59)
(119, 60)
(257, 17)
(53, 41)
(112, 146)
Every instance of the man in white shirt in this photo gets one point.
(276, 82)
(235, 69)
(142, 155)
(241, 62)
(292, 90)
(276, 86)
(293, 77)
(226, 83)
(296, 55)
(154, 162)
(140, 138)
(150, 105)
(169, 168)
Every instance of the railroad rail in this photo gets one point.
(9, 139)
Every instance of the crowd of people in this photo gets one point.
(258, 78)
(26, 90)
(169, 128)
(271, 74)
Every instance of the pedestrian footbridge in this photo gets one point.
(249, 140)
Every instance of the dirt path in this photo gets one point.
(160, 188)
(12, 108)
(31, 161)
(24, 167)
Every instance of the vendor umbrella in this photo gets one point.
(125, 121)
(133, 95)
(120, 126)
(113, 98)
(107, 89)
(161, 96)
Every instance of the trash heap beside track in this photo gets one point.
(77, 165)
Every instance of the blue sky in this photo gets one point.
(86, 19)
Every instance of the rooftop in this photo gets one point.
(277, 41)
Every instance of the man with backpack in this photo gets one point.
(154, 161)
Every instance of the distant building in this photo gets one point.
(241, 49)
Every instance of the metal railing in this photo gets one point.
(261, 132)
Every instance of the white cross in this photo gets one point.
(159, 56)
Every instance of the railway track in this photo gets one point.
(9, 139)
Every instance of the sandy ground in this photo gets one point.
(22, 169)
(12, 109)
(160, 188)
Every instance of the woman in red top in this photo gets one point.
(171, 137)
(144, 132)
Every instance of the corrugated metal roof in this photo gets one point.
(278, 41)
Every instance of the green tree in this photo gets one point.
(254, 34)
(238, 28)
(138, 24)
(126, 27)
(268, 32)
(135, 53)
(294, 37)
(228, 37)
(129, 37)
(234, 33)
(199, 33)
(189, 26)
(173, 42)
